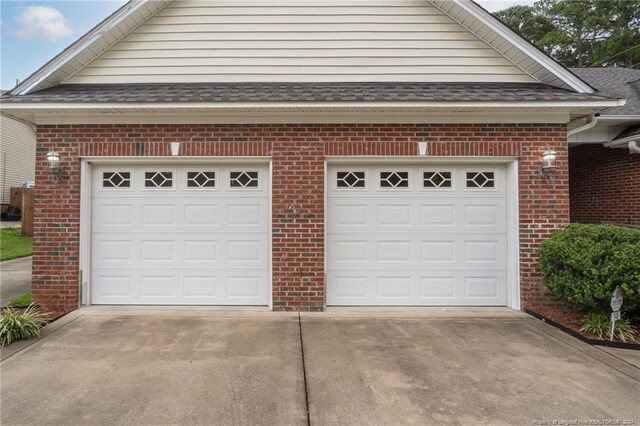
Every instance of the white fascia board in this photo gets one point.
(283, 117)
(500, 29)
(185, 106)
(78, 47)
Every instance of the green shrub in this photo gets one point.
(20, 325)
(22, 300)
(583, 264)
(599, 323)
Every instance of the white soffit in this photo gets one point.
(93, 44)
(513, 47)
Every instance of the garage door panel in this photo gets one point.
(195, 250)
(394, 251)
(246, 216)
(488, 215)
(384, 287)
(159, 214)
(348, 215)
(184, 286)
(421, 244)
(114, 251)
(113, 215)
(199, 240)
(201, 215)
(431, 216)
(348, 251)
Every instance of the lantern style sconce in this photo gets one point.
(549, 164)
(53, 161)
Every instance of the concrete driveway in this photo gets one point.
(191, 366)
(15, 278)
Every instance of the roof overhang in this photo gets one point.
(283, 112)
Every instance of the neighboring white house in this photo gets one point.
(17, 154)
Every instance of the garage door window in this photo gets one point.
(394, 179)
(203, 179)
(350, 179)
(437, 180)
(244, 179)
(116, 179)
(158, 179)
(480, 180)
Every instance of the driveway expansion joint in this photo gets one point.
(304, 371)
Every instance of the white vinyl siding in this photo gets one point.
(17, 155)
(355, 40)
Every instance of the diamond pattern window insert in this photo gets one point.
(481, 180)
(350, 180)
(201, 179)
(436, 180)
(394, 179)
(116, 179)
(158, 179)
(243, 179)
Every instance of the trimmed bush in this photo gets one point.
(583, 264)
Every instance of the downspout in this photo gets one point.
(591, 121)
(634, 148)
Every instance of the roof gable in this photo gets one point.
(191, 41)
(306, 41)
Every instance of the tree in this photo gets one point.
(580, 33)
(525, 20)
(621, 19)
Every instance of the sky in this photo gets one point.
(32, 32)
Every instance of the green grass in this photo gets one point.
(22, 300)
(13, 245)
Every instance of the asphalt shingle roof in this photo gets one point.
(616, 83)
(301, 92)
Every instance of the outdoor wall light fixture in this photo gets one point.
(53, 160)
(549, 164)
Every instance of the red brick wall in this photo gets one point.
(298, 153)
(605, 185)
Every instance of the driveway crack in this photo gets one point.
(304, 371)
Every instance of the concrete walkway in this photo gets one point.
(199, 366)
(15, 278)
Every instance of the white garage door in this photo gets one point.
(417, 235)
(180, 235)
